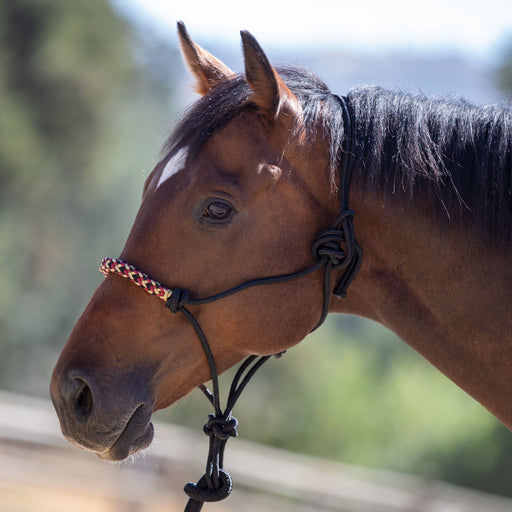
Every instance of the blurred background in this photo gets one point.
(89, 91)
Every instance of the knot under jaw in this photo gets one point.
(220, 427)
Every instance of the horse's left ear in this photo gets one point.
(270, 93)
(207, 69)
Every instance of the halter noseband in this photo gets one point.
(334, 249)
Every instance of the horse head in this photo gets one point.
(232, 199)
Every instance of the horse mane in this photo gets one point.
(455, 157)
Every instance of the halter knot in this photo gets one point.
(328, 245)
(216, 484)
(201, 492)
(177, 300)
(220, 427)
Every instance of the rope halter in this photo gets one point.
(334, 249)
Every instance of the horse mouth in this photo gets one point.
(136, 436)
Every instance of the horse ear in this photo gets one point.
(270, 92)
(207, 69)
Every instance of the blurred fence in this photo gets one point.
(40, 472)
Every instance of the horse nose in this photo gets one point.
(73, 397)
(102, 414)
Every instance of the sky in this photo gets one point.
(471, 28)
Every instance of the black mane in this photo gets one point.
(455, 156)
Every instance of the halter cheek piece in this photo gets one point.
(334, 249)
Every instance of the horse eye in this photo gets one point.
(217, 211)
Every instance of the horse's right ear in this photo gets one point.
(207, 69)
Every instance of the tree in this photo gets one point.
(70, 83)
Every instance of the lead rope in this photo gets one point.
(216, 483)
(334, 249)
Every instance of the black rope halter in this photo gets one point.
(335, 249)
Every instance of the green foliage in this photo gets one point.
(73, 97)
(55, 64)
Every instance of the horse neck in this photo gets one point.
(442, 290)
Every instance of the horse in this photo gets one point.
(251, 176)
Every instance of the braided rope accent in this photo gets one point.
(119, 267)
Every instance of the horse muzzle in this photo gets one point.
(112, 420)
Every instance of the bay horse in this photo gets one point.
(250, 177)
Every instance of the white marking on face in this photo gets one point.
(175, 164)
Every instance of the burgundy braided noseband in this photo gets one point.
(334, 249)
(119, 267)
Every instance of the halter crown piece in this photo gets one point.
(334, 249)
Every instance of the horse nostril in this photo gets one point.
(84, 401)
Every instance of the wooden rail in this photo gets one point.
(41, 472)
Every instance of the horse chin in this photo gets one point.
(137, 435)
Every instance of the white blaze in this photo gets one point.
(174, 165)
